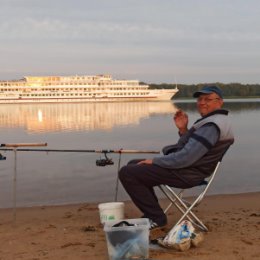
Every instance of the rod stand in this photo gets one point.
(14, 148)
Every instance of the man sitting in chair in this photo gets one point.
(185, 164)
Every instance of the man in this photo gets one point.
(185, 164)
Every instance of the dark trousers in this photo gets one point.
(139, 182)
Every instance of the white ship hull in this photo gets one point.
(71, 89)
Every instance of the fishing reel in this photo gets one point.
(105, 161)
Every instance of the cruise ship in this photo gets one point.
(98, 88)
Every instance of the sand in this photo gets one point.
(74, 232)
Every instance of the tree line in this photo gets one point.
(231, 90)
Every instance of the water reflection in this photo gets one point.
(47, 118)
(40, 118)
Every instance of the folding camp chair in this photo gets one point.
(185, 206)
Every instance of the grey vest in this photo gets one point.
(226, 138)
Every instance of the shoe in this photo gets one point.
(156, 230)
(155, 226)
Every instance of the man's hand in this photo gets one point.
(181, 121)
(147, 161)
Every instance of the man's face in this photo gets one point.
(207, 103)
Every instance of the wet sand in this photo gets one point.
(74, 231)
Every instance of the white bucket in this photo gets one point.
(111, 211)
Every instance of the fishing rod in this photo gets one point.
(11, 146)
(15, 145)
(101, 162)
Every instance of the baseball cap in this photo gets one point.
(209, 90)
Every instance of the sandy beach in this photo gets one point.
(74, 231)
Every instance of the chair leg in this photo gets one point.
(194, 219)
(172, 202)
(183, 208)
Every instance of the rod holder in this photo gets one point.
(14, 147)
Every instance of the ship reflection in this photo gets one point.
(40, 118)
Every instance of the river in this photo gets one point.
(61, 178)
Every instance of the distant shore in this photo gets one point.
(74, 231)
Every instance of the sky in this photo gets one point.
(154, 41)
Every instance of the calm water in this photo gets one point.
(58, 178)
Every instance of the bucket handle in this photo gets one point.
(123, 223)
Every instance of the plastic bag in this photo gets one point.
(181, 237)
